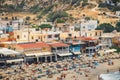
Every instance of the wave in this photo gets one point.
(111, 76)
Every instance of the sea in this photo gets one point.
(111, 76)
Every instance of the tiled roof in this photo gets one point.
(85, 38)
(58, 45)
(88, 39)
(3, 40)
(33, 45)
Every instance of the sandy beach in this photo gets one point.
(92, 75)
(102, 68)
(84, 68)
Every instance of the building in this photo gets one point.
(118, 13)
(89, 45)
(8, 56)
(110, 39)
(116, 39)
(109, 2)
(39, 51)
(60, 50)
(75, 45)
(36, 35)
(87, 26)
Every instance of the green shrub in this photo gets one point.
(42, 26)
(106, 27)
(46, 10)
(60, 20)
(28, 18)
(58, 14)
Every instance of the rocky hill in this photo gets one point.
(59, 10)
(37, 5)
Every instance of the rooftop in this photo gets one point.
(59, 44)
(33, 45)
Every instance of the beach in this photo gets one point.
(85, 68)
(93, 75)
(102, 68)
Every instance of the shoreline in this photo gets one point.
(102, 69)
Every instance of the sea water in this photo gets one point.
(111, 76)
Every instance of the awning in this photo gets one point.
(2, 61)
(43, 54)
(39, 54)
(76, 53)
(110, 50)
(30, 54)
(113, 50)
(103, 44)
(6, 51)
(65, 54)
(14, 60)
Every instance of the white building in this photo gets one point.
(87, 26)
(118, 13)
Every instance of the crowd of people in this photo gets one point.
(36, 71)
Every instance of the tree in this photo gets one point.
(42, 26)
(118, 26)
(106, 27)
(57, 14)
(59, 20)
(28, 18)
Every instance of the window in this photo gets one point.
(49, 36)
(95, 33)
(37, 29)
(39, 37)
(44, 49)
(83, 27)
(32, 37)
(56, 35)
(70, 34)
(18, 37)
(100, 33)
(36, 40)
(24, 36)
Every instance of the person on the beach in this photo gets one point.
(107, 70)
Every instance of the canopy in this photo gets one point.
(43, 53)
(65, 54)
(6, 51)
(76, 53)
(14, 60)
(39, 54)
(32, 54)
(110, 50)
